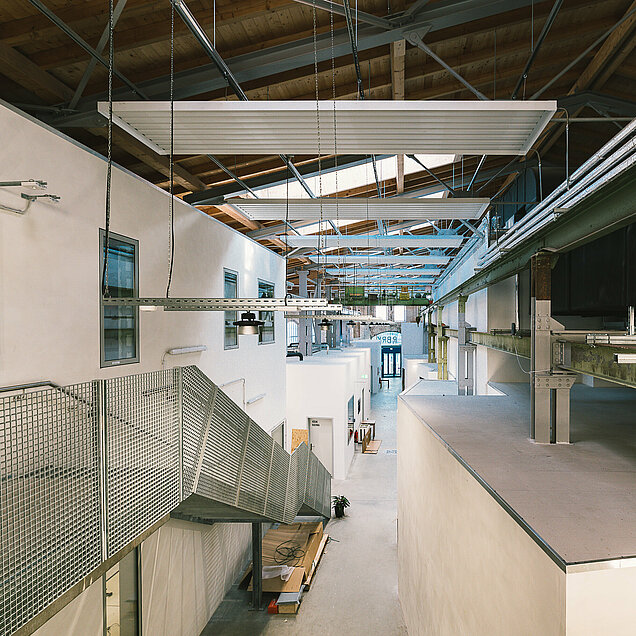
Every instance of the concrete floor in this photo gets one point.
(355, 589)
(580, 498)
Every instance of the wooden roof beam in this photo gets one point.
(26, 73)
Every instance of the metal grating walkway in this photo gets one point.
(85, 470)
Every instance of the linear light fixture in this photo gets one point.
(360, 209)
(377, 241)
(225, 304)
(503, 127)
(397, 281)
(370, 260)
(414, 271)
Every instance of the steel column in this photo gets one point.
(304, 323)
(257, 566)
(465, 351)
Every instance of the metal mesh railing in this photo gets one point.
(86, 469)
(49, 498)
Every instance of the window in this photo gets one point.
(230, 290)
(292, 333)
(266, 332)
(120, 325)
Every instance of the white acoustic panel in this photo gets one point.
(382, 242)
(415, 271)
(359, 209)
(505, 127)
(371, 259)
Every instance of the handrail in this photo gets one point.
(29, 385)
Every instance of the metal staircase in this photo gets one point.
(89, 470)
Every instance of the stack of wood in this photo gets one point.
(298, 546)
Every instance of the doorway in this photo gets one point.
(321, 440)
(391, 361)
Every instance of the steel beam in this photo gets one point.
(279, 59)
(84, 45)
(201, 36)
(117, 11)
(607, 210)
(547, 25)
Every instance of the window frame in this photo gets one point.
(232, 272)
(103, 363)
(259, 282)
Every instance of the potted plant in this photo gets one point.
(339, 504)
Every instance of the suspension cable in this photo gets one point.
(171, 233)
(109, 170)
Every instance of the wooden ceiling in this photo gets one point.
(41, 68)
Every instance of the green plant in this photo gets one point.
(339, 504)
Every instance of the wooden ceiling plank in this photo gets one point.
(26, 73)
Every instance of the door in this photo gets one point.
(391, 362)
(321, 440)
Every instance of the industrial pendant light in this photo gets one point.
(351, 323)
(248, 325)
(325, 324)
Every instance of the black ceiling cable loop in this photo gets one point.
(109, 169)
(171, 234)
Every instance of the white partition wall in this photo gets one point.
(50, 298)
(320, 386)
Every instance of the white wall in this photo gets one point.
(320, 386)
(50, 291)
(50, 284)
(412, 339)
(81, 617)
(601, 601)
(375, 347)
(186, 570)
(464, 565)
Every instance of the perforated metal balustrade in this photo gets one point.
(86, 469)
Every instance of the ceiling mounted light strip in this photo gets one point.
(382, 242)
(373, 260)
(503, 127)
(225, 304)
(359, 209)
(388, 281)
(415, 271)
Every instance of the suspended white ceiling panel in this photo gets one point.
(408, 242)
(415, 271)
(359, 209)
(361, 127)
(371, 260)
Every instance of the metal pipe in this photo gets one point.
(546, 27)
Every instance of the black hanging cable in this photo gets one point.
(171, 149)
(109, 170)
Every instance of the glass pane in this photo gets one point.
(230, 290)
(120, 323)
(266, 332)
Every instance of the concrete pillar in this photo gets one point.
(430, 334)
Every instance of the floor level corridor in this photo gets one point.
(355, 590)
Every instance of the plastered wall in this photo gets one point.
(464, 565)
(49, 323)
